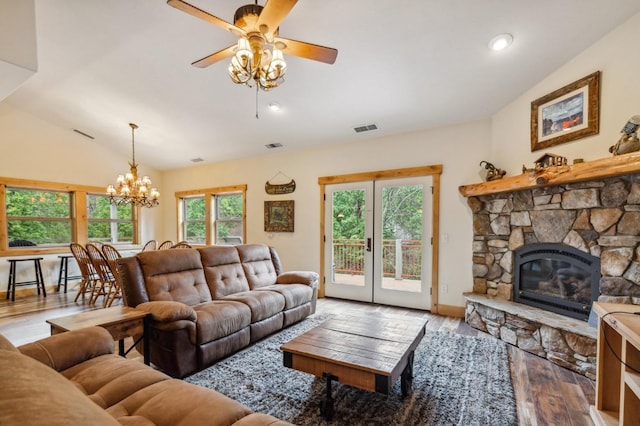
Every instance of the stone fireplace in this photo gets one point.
(566, 236)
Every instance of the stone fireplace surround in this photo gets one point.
(600, 216)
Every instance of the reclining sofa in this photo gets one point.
(74, 378)
(210, 302)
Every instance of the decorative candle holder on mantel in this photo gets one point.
(581, 172)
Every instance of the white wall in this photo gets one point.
(459, 149)
(31, 148)
(620, 96)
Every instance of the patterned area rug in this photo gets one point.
(458, 380)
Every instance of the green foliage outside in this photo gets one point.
(103, 217)
(228, 218)
(42, 217)
(401, 219)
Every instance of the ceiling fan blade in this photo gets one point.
(301, 49)
(273, 14)
(215, 57)
(205, 16)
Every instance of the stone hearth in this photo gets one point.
(565, 341)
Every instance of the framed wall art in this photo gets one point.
(278, 216)
(567, 114)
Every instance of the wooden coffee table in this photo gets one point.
(120, 321)
(368, 351)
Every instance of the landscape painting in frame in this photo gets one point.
(278, 216)
(567, 114)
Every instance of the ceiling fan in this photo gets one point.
(257, 57)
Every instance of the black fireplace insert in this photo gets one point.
(556, 277)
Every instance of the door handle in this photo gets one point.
(368, 244)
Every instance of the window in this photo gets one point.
(38, 217)
(212, 216)
(108, 223)
(228, 224)
(195, 223)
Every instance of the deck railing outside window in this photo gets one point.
(402, 258)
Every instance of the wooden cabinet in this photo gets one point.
(617, 384)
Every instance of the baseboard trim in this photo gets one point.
(451, 311)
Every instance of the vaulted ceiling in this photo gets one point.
(405, 66)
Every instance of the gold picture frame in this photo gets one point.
(567, 114)
(278, 216)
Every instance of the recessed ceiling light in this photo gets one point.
(274, 106)
(501, 41)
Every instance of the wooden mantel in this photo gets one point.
(590, 170)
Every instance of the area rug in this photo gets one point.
(458, 380)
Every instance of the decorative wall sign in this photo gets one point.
(280, 188)
(278, 216)
(567, 114)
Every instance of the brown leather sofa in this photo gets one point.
(208, 303)
(74, 378)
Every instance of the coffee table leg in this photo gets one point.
(406, 378)
(326, 405)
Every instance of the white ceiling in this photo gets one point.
(404, 65)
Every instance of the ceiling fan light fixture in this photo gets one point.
(501, 42)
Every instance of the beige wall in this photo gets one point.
(31, 148)
(620, 95)
(459, 149)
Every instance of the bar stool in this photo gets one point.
(39, 281)
(64, 271)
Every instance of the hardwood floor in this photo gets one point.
(546, 394)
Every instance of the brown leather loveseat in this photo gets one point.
(208, 303)
(74, 378)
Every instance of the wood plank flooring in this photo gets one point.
(546, 394)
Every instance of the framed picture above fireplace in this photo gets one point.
(567, 114)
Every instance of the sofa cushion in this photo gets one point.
(174, 275)
(294, 294)
(174, 402)
(35, 395)
(223, 270)
(108, 379)
(218, 318)
(263, 304)
(257, 264)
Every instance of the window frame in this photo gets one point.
(210, 213)
(79, 220)
(113, 221)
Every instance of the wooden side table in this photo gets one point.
(120, 321)
(618, 377)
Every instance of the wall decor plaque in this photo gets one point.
(279, 188)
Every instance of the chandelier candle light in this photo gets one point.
(130, 188)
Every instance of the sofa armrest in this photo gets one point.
(62, 351)
(298, 277)
(168, 311)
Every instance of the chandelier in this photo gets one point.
(130, 188)
(256, 61)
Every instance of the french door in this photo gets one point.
(378, 241)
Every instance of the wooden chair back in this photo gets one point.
(150, 245)
(166, 245)
(180, 245)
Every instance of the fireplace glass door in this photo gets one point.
(558, 278)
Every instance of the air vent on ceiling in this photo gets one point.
(197, 160)
(86, 135)
(273, 145)
(366, 128)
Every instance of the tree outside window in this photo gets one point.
(108, 223)
(38, 217)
